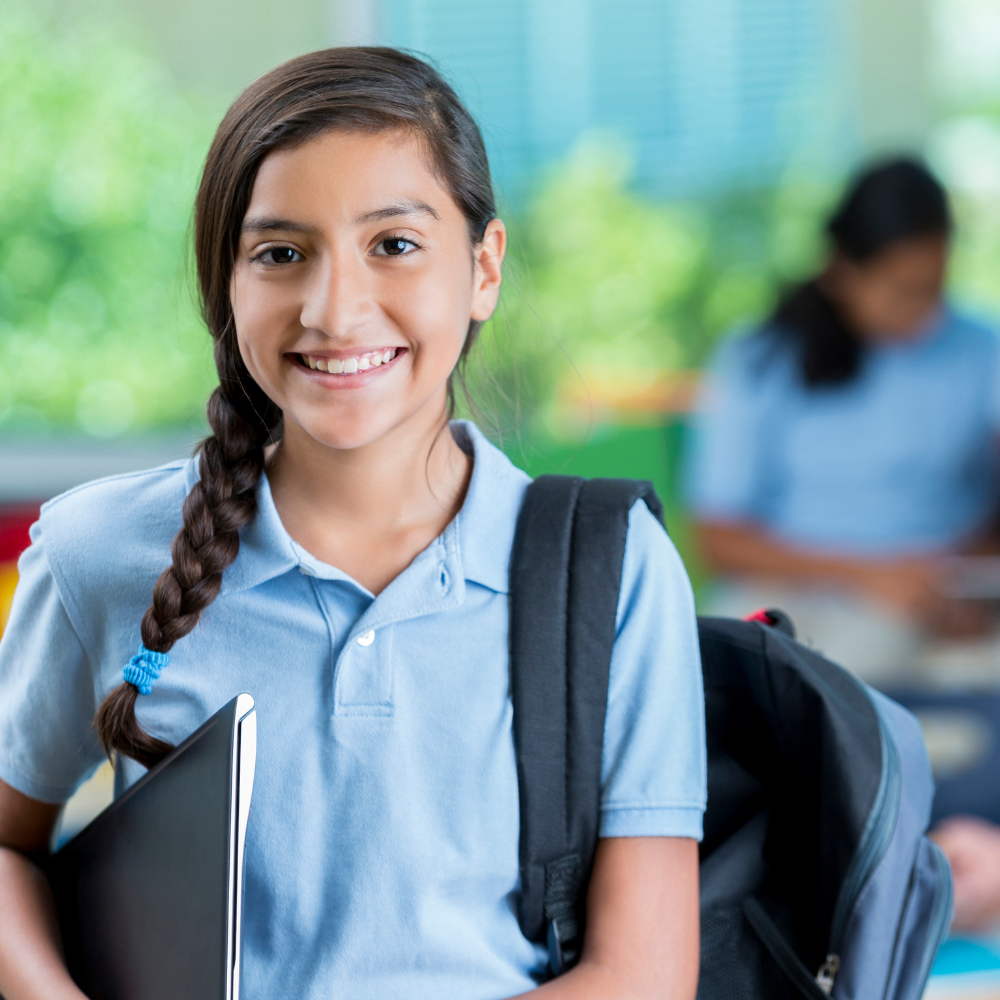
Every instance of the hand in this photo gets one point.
(910, 586)
(972, 847)
(950, 618)
(913, 588)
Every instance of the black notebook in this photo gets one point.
(150, 893)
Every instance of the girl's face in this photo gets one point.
(895, 294)
(354, 284)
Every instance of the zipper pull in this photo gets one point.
(828, 973)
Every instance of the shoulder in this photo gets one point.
(653, 574)
(751, 354)
(113, 530)
(971, 332)
(165, 482)
(119, 510)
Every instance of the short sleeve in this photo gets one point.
(727, 459)
(653, 765)
(48, 743)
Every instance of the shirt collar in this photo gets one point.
(265, 547)
(482, 534)
(488, 518)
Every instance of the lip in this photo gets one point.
(357, 380)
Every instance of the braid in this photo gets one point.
(222, 502)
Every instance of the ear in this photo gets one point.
(488, 258)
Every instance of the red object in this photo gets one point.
(14, 524)
(761, 615)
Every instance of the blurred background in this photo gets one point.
(665, 170)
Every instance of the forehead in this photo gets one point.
(350, 173)
(917, 255)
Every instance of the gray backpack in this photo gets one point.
(817, 878)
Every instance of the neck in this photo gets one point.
(377, 504)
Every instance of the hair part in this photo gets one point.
(364, 88)
(892, 201)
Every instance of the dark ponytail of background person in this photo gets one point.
(368, 89)
(890, 202)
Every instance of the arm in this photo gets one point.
(744, 547)
(31, 964)
(908, 584)
(642, 924)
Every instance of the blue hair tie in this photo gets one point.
(144, 668)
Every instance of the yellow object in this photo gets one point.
(629, 395)
(8, 581)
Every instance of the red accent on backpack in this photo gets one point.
(761, 615)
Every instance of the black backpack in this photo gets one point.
(816, 876)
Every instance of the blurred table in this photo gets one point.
(36, 467)
(966, 969)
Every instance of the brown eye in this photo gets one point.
(394, 246)
(280, 255)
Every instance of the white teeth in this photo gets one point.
(359, 363)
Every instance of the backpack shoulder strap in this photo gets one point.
(565, 574)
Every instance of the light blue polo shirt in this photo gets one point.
(382, 851)
(899, 460)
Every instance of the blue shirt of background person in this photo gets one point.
(900, 459)
(852, 438)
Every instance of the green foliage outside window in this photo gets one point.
(605, 283)
(98, 327)
(98, 321)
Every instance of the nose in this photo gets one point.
(338, 297)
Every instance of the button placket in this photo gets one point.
(431, 584)
(363, 677)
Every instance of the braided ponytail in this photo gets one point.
(368, 89)
(220, 503)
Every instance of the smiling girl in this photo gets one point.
(340, 550)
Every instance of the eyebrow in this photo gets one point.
(264, 224)
(394, 211)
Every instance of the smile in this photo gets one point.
(348, 366)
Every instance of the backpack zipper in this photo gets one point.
(875, 839)
(828, 973)
(781, 951)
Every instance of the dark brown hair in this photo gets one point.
(894, 200)
(372, 89)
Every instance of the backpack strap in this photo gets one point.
(566, 569)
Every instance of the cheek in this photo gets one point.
(433, 313)
(258, 313)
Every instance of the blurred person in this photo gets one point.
(845, 448)
(972, 846)
(340, 549)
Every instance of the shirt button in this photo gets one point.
(367, 639)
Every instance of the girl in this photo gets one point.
(340, 551)
(849, 445)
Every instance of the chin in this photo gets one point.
(345, 433)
